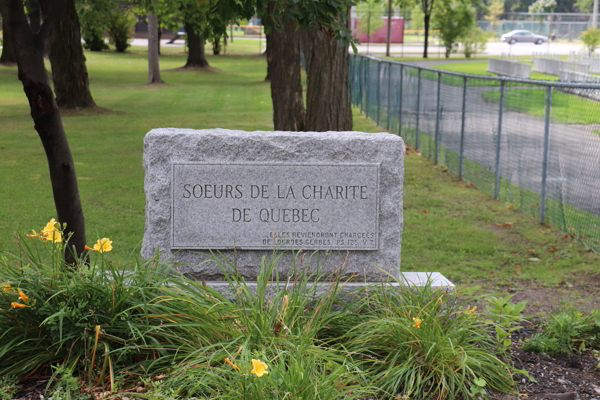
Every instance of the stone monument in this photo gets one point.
(237, 196)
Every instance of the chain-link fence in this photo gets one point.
(535, 144)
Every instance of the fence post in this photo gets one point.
(437, 120)
(367, 86)
(418, 137)
(389, 95)
(378, 90)
(360, 82)
(547, 113)
(499, 142)
(400, 100)
(462, 130)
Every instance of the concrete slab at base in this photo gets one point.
(408, 279)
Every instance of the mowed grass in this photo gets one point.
(566, 108)
(448, 228)
(480, 68)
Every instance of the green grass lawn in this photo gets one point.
(457, 236)
(480, 68)
(566, 108)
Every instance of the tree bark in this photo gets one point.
(196, 55)
(217, 45)
(328, 98)
(153, 59)
(8, 56)
(48, 123)
(35, 15)
(426, 19)
(69, 73)
(283, 63)
(268, 54)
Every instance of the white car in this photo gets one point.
(524, 37)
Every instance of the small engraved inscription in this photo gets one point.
(267, 206)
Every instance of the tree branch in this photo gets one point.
(48, 21)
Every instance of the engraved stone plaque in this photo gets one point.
(256, 206)
(321, 201)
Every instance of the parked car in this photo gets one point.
(523, 37)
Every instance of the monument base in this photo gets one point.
(407, 279)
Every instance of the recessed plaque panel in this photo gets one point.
(267, 206)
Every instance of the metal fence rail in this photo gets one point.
(535, 144)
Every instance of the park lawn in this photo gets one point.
(532, 101)
(238, 47)
(480, 68)
(457, 236)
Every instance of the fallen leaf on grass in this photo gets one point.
(534, 259)
(534, 205)
(505, 225)
(509, 207)
(425, 212)
(551, 249)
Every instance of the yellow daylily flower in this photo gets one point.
(417, 323)
(52, 236)
(34, 234)
(7, 288)
(102, 245)
(471, 310)
(18, 305)
(259, 368)
(22, 295)
(50, 226)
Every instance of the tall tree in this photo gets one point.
(8, 53)
(427, 9)
(69, 73)
(196, 46)
(29, 47)
(283, 69)
(328, 98)
(453, 19)
(153, 58)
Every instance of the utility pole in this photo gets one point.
(595, 14)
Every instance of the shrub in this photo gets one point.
(474, 41)
(565, 331)
(92, 26)
(120, 24)
(591, 39)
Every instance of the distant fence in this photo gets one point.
(509, 68)
(553, 66)
(520, 140)
(593, 60)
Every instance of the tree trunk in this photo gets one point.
(69, 73)
(153, 59)
(8, 53)
(268, 54)
(35, 15)
(328, 98)
(217, 45)
(283, 63)
(48, 123)
(159, 35)
(426, 29)
(196, 55)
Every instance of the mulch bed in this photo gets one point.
(563, 377)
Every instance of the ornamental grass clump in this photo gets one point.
(418, 343)
(96, 318)
(275, 351)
